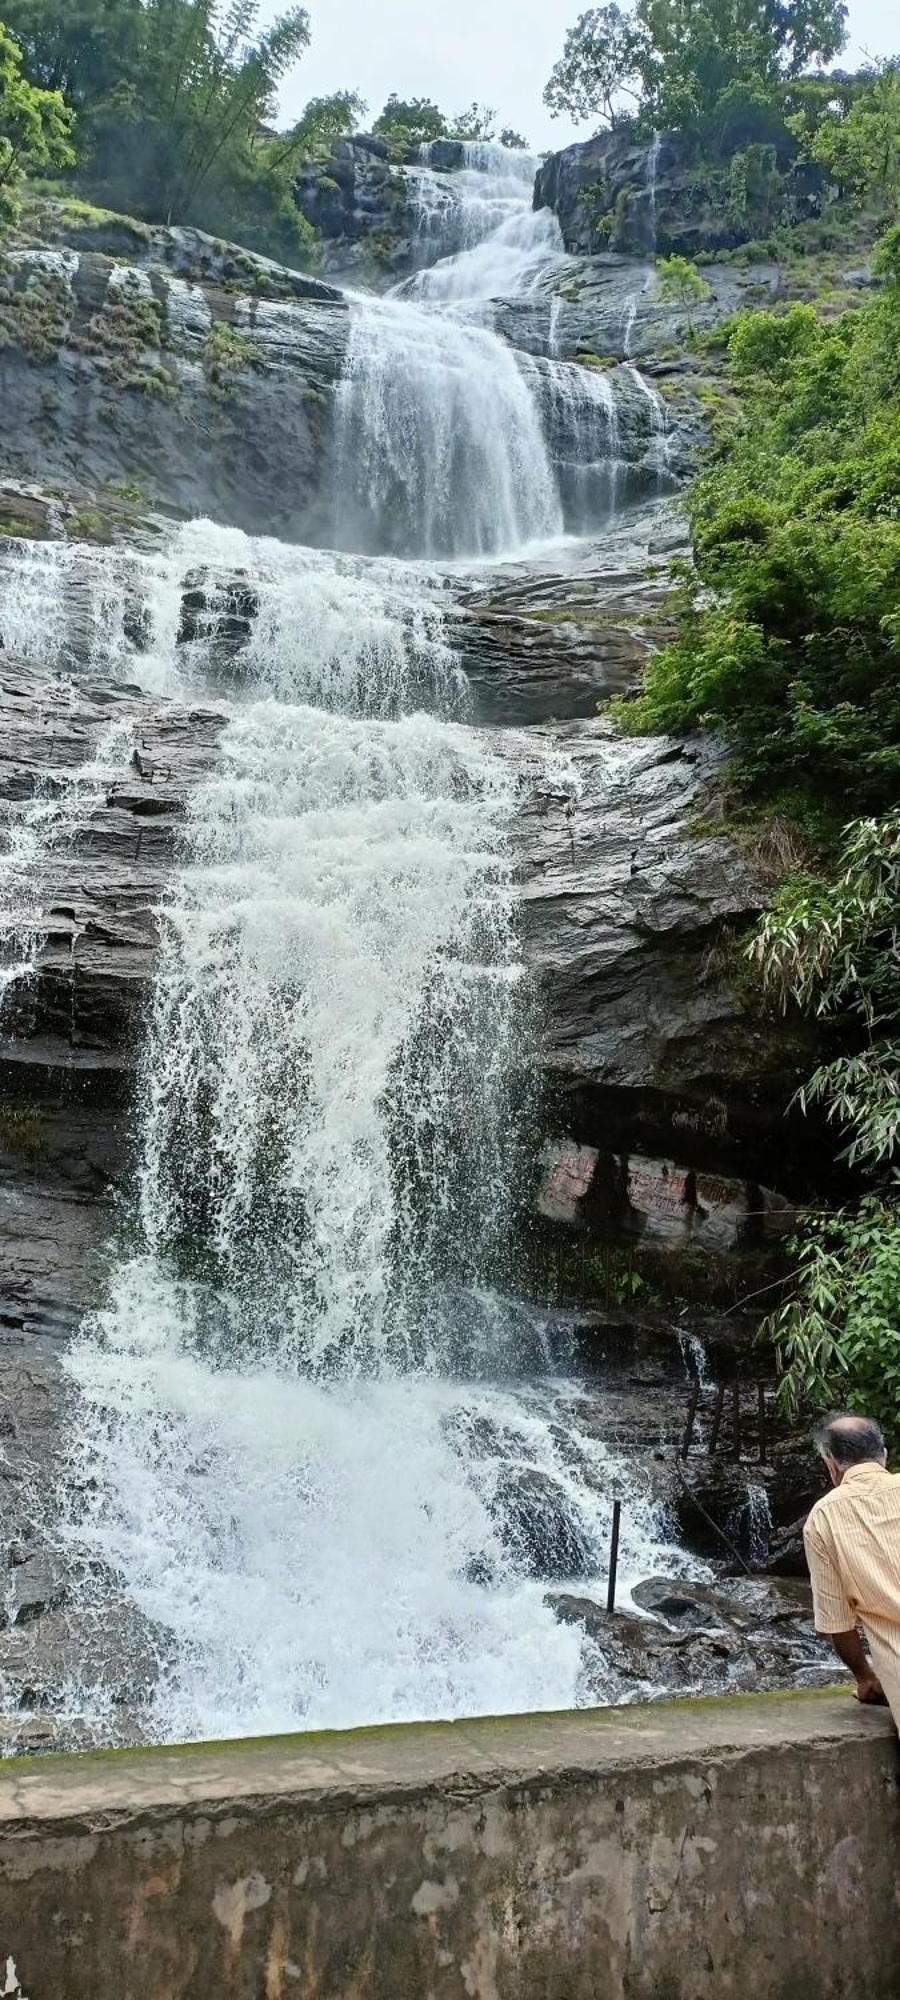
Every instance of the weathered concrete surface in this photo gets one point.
(691, 1852)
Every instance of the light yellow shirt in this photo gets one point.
(852, 1539)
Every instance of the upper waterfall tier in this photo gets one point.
(440, 442)
(476, 229)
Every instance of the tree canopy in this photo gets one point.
(789, 635)
(173, 98)
(672, 62)
(35, 124)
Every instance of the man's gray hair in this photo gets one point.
(849, 1440)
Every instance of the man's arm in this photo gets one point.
(849, 1648)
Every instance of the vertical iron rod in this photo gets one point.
(613, 1556)
(763, 1440)
(736, 1416)
(689, 1426)
(717, 1419)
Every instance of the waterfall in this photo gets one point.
(477, 232)
(653, 152)
(37, 830)
(293, 1446)
(318, 1447)
(659, 422)
(440, 445)
(583, 425)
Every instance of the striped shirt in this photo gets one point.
(852, 1539)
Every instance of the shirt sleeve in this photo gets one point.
(831, 1607)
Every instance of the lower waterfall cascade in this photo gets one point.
(319, 1446)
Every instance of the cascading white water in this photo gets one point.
(440, 445)
(273, 1449)
(583, 425)
(35, 831)
(477, 232)
(659, 422)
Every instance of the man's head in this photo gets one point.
(844, 1441)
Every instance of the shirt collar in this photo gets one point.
(869, 1469)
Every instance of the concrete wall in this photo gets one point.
(688, 1851)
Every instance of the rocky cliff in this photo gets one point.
(639, 197)
(148, 375)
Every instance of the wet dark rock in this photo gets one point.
(38, 1585)
(695, 1638)
(111, 1649)
(640, 198)
(787, 1555)
(358, 200)
(536, 1524)
(109, 373)
(552, 643)
(632, 924)
(714, 1496)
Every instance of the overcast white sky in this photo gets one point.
(499, 51)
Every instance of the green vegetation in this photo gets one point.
(171, 100)
(788, 644)
(35, 126)
(417, 121)
(22, 1129)
(833, 947)
(680, 281)
(765, 142)
(789, 629)
(714, 67)
(227, 353)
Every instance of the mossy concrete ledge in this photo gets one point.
(747, 1847)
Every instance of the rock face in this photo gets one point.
(652, 1041)
(74, 1000)
(198, 372)
(638, 197)
(360, 203)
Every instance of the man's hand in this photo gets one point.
(869, 1689)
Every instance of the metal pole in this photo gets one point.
(689, 1426)
(736, 1415)
(763, 1441)
(613, 1556)
(717, 1419)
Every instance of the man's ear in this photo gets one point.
(835, 1473)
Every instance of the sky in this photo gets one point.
(498, 51)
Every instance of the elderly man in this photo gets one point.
(852, 1539)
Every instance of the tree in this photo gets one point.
(84, 48)
(677, 58)
(409, 122)
(858, 143)
(602, 61)
(513, 140)
(834, 948)
(170, 94)
(788, 638)
(679, 280)
(35, 125)
(478, 122)
(321, 121)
